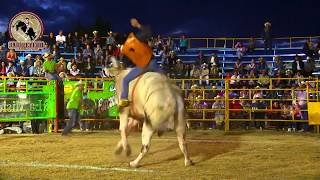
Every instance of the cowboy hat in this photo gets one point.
(46, 55)
(94, 32)
(267, 24)
(29, 55)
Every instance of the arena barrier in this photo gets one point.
(27, 99)
(35, 98)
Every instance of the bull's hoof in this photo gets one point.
(118, 150)
(132, 164)
(128, 151)
(189, 163)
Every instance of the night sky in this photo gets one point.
(175, 17)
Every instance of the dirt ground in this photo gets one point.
(240, 155)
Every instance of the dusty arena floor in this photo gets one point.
(240, 155)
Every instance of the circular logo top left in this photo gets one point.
(25, 26)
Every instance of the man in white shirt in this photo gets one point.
(60, 38)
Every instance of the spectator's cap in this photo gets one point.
(61, 58)
(267, 24)
(303, 83)
(29, 55)
(257, 87)
(308, 58)
(199, 97)
(214, 87)
(110, 32)
(80, 83)
(218, 97)
(46, 55)
(21, 60)
(94, 32)
(178, 60)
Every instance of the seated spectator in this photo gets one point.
(11, 68)
(87, 52)
(241, 50)
(69, 43)
(164, 54)
(195, 72)
(172, 59)
(3, 54)
(278, 82)
(22, 69)
(11, 56)
(252, 66)
(76, 41)
(214, 60)
(238, 66)
(96, 39)
(98, 55)
(235, 109)
(61, 39)
(201, 59)
(70, 63)
(88, 67)
(179, 69)
(11, 82)
(183, 44)
(264, 79)
(278, 65)
(61, 66)
(51, 40)
(297, 65)
(262, 65)
(214, 72)
(85, 41)
(110, 39)
(204, 74)
(38, 69)
(55, 52)
(3, 69)
(235, 80)
(74, 72)
(46, 49)
(252, 83)
(298, 79)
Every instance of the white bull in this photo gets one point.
(157, 104)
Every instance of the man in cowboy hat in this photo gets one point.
(49, 67)
(73, 107)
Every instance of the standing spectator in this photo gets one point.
(73, 107)
(267, 37)
(286, 114)
(3, 69)
(297, 65)
(98, 54)
(55, 52)
(109, 54)
(11, 56)
(183, 44)
(61, 39)
(51, 40)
